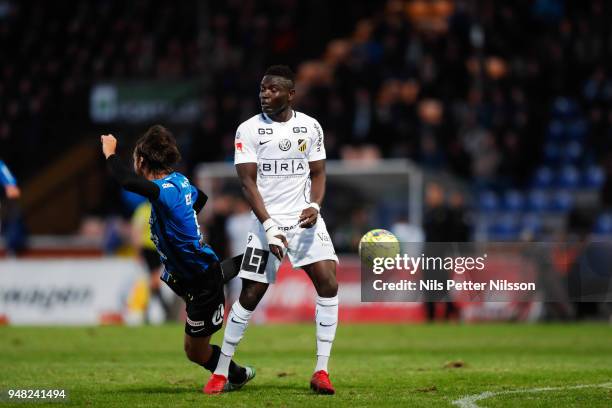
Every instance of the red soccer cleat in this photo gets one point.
(320, 383)
(215, 384)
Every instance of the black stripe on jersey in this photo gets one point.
(186, 273)
(169, 250)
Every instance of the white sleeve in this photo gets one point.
(317, 148)
(245, 149)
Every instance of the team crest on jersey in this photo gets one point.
(302, 145)
(284, 145)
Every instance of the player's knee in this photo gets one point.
(250, 297)
(249, 300)
(191, 352)
(328, 286)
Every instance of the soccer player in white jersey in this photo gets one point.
(280, 160)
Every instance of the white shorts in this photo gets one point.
(306, 246)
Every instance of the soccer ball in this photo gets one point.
(378, 243)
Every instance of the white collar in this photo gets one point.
(268, 119)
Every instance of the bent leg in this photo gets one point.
(200, 351)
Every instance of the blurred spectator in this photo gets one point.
(9, 183)
(146, 250)
(12, 225)
(457, 86)
(347, 236)
(441, 226)
(411, 237)
(237, 229)
(220, 210)
(459, 230)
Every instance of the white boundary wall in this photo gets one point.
(66, 291)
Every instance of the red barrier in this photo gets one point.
(292, 299)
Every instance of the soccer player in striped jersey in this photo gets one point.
(191, 267)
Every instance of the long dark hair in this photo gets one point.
(158, 150)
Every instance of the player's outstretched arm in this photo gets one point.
(309, 215)
(126, 178)
(247, 173)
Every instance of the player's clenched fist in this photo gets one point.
(276, 240)
(109, 145)
(308, 218)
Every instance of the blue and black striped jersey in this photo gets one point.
(176, 232)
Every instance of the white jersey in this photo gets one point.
(282, 151)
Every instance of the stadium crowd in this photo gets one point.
(474, 88)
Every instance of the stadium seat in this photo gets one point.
(531, 223)
(571, 153)
(514, 201)
(568, 177)
(552, 153)
(537, 201)
(593, 177)
(603, 224)
(576, 130)
(488, 202)
(564, 108)
(562, 201)
(555, 130)
(505, 229)
(543, 178)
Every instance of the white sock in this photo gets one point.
(322, 363)
(326, 319)
(236, 324)
(223, 365)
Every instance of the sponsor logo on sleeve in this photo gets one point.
(319, 137)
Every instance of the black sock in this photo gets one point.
(236, 374)
(211, 364)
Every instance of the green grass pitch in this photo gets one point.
(371, 365)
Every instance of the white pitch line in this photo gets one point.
(470, 400)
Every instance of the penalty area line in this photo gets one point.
(470, 400)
